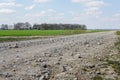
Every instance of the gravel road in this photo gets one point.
(75, 57)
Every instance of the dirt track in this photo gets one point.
(75, 57)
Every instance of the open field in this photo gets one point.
(17, 35)
(44, 32)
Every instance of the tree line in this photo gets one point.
(44, 26)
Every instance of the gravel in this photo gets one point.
(49, 59)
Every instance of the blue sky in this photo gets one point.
(96, 14)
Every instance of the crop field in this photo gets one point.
(44, 32)
(16, 35)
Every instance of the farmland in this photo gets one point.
(44, 32)
(16, 35)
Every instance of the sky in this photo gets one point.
(96, 14)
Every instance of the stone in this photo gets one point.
(38, 75)
(7, 74)
(90, 65)
(17, 56)
(44, 65)
(21, 79)
(98, 72)
(14, 70)
(99, 43)
(39, 59)
(16, 45)
(85, 43)
(3, 61)
(63, 68)
(75, 79)
(57, 63)
(42, 77)
(78, 56)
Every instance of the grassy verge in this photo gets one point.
(114, 60)
(27, 33)
(117, 44)
(15, 39)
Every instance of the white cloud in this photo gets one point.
(80, 1)
(7, 11)
(30, 7)
(41, 1)
(9, 4)
(93, 10)
(61, 14)
(91, 7)
(95, 4)
(117, 14)
(11, 0)
(8, 0)
(48, 15)
(43, 13)
(116, 17)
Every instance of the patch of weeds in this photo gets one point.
(97, 78)
(84, 69)
(117, 44)
(109, 79)
(115, 65)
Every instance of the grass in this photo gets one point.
(38, 32)
(117, 44)
(15, 39)
(115, 65)
(118, 32)
(24, 33)
(44, 32)
(115, 61)
(97, 78)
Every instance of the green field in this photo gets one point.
(44, 32)
(22, 34)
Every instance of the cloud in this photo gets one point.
(43, 13)
(49, 15)
(7, 11)
(12, 0)
(9, 4)
(115, 17)
(91, 7)
(30, 7)
(93, 10)
(76, 1)
(9, 0)
(95, 4)
(41, 1)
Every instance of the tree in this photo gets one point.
(22, 26)
(28, 25)
(4, 27)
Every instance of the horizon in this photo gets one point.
(95, 14)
